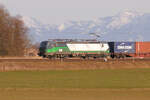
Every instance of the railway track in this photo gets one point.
(68, 60)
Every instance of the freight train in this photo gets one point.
(62, 48)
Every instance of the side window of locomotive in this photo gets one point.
(62, 44)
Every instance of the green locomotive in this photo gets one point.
(60, 48)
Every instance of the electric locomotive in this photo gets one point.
(61, 48)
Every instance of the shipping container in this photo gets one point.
(122, 47)
(142, 49)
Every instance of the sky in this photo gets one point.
(60, 11)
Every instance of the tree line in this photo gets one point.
(13, 34)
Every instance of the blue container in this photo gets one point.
(122, 47)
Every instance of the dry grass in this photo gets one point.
(34, 57)
(73, 94)
(75, 65)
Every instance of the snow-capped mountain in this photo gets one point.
(125, 26)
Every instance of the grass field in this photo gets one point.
(105, 84)
(121, 78)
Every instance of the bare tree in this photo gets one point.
(13, 34)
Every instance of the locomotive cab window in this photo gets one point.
(50, 45)
(43, 44)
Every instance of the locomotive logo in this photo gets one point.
(124, 47)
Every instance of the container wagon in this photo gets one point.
(142, 49)
(74, 48)
(129, 49)
(122, 49)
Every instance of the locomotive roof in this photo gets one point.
(72, 40)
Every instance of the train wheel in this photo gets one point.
(44, 56)
(83, 57)
(50, 57)
(94, 57)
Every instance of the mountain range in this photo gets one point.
(124, 26)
